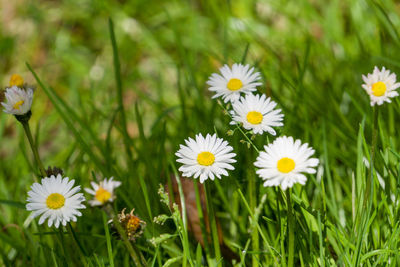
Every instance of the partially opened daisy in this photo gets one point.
(19, 100)
(284, 162)
(55, 199)
(103, 192)
(232, 82)
(380, 86)
(206, 158)
(256, 113)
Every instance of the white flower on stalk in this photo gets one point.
(103, 192)
(256, 113)
(19, 101)
(55, 199)
(232, 82)
(284, 162)
(206, 158)
(380, 85)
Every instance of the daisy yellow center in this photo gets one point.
(378, 89)
(16, 80)
(102, 195)
(55, 201)
(285, 165)
(234, 84)
(254, 117)
(18, 104)
(133, 224)
(205, 158)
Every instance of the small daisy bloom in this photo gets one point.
(205, 157)
(232, 82)
(256, 113)
(103, 192)
(284, 161)
(380, 86)
(55, 199)
(19, 101)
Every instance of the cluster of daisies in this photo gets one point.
(283, 162)
(55, 198)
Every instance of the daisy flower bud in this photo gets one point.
(103, 192)
(380, 86)
(19, 101)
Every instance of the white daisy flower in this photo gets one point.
(56, 200)
(239, 79)
(256, 113)
(284, 162)
(19, 101)
(103, 192)
(380, 86)
(205, 157)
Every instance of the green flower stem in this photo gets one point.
(253, 205)
(290, 229)
(213, 222)
(28, 133)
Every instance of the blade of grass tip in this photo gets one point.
(246, 51)
(87, 149)
(108, 238)
(117, 71)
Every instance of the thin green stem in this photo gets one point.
(108, 238)
(201, 217)
(290, 229)
(35, 152)
(253, 205)
(213, 223)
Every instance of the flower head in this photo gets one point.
(16, 80)
(256, 113)
(380, 86)
(131, 224)
(232, 82)
(103, 192)
(55, 199)
(205, 157)
(19, 101)
(284, 161)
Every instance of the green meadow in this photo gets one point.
(119, 85)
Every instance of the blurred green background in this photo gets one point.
(311, 55)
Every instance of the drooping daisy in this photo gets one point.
(232, 82)
(284, 162)
(380, 86)
(56, 200)
(256, 113)
(205, 157)
(103, 192)
(19, 101)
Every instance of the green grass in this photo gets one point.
(117, 97)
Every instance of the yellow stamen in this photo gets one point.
(234, 84)
(205, 158)
(378, 89)
(18, 104)
(16, 80)
(133, 224)
(254, 117)
(285, 165)
(55, 201)
(102, 195)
